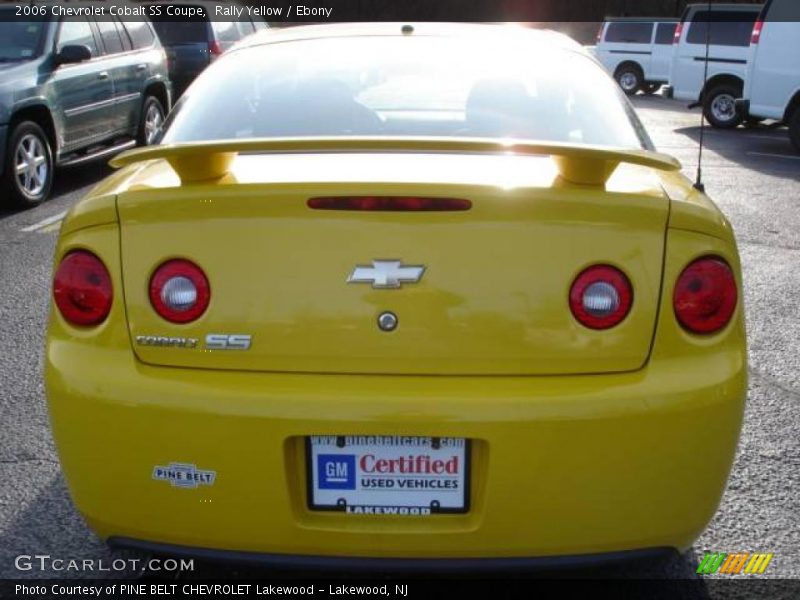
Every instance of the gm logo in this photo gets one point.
(336, 471)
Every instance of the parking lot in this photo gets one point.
(754, 176)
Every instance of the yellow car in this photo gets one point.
(418, 295)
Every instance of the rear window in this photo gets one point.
(629, 32)
(391, 86)
(665, 32)
(140, 34)
(727, 27)
(181, 32)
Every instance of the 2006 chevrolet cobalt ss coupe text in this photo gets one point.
(398, 292)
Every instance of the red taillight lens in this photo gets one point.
(757, 27)
(705, 295)
(179, 291)
(601, 297)
(82, 289)
(678, 31)
(389, 203)
(214, 49)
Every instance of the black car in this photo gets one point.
(74, 90)
(192, 44)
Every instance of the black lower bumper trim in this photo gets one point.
(403, 565)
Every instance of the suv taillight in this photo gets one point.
(82, 289)
(678, 31)
(601, 297)
(756, 37)
(705, 295)
(179, 291)
(214, 49)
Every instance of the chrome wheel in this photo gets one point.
(31, 166)
(723, 107)
(153, 120)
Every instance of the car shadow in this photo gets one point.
(659, 102)
(49, 525)
(759, 148)
(67, 181)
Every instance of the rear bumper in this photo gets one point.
(396, 565)
(561, 466)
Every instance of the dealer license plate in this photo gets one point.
(388, 475)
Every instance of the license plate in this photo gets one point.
(388, 475)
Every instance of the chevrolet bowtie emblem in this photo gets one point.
(386, 274)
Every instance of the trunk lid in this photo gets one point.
(493, 299)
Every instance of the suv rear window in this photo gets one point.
(629, 32)
(728, 27)
(182, 32)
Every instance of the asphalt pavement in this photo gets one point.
(752, 173)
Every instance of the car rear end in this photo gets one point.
(625, 49)
(564, 372)
(773, 78)
(190, 46)
(727, 28)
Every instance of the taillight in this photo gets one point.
(678, 31)
(179, 291)
(757, 27)
(600, 33)
(82, 289)
(214, 49)
(389, 203)
(705, 295)
(601, 297)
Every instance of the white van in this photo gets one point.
(636, 52)
(772, 86)
(728, 28)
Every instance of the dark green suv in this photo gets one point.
(73, 90)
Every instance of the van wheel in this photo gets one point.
(794, 129)
(150, 122)
(28, 170)
(719, 106)
(629, 78)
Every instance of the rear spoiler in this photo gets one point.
(576, 163)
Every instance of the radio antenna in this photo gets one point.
(698, 183)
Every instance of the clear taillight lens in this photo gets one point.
(601, 297)
(179, 291)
